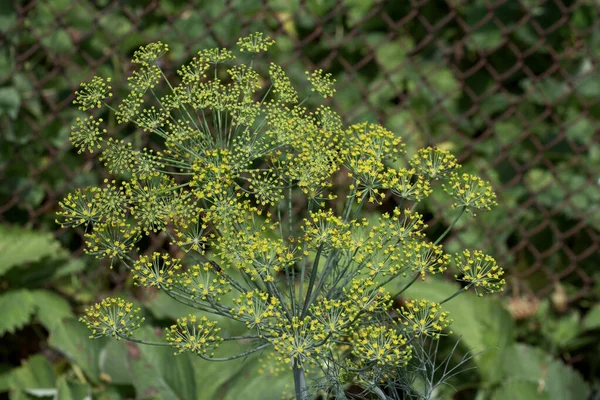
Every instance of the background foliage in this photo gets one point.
(510, 86)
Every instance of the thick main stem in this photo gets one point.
(300, 382)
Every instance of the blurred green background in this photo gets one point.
(511, 87)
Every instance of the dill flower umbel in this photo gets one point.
(156, 270)
(87, 135)
(92, 94)
(480, 271)
(434, 162)
(470, 192)
(424, 317)
(381, 346)
(193, 334)
(112, 317)
(321, 82)
(261, 199)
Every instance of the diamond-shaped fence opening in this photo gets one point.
(512, 87)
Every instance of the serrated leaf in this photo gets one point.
(51, 308)
(20, 246)
(18, 306)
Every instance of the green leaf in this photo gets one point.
(35, 373)
(17, 307)
(51, 308)
(592, 318)
(536, 374)
(10, 101)
(249, 384)
(482, 322)
(71, 337)
(564, 330)
(19, 246)
(72, 391)
(156, 372)
(5, 377)
(520, 390)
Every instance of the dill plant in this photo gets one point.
(243, 187)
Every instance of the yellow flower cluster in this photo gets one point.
(255, 43)
(402, 224)
(325, 229)
(470, 192)
(480, 271)
(298, 340)
(92, 94)
(321, 82)
(156, 270)
(434, 163)
(87, 134)
(112, 317)
(363, 295)
(201, 282)
(407, 185)
(196, 335)
(78, 208)
(112, 239)
(215, 56)
(193, 72)
(258, 310)
(425, 257)
(244, 176)
(282, 84)
(424, 318)
(381, 346)
(146, 55)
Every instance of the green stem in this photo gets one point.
(143, 342)
(456, 294)
(462, 211)
(409, 284)
(300, 382)
(244, 354)
(311, 283)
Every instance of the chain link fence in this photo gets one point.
(512, 87)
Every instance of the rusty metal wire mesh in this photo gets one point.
(511, 86)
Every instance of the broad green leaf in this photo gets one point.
(249, 384)
(71, 337)
(520, 390)
(51, 308)
(34, 374)
(527, 368)
(72, 391)
(17, 307)
(112, 363)
(19, 246)
(482, 322)
(592, 318)
(157, 372)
